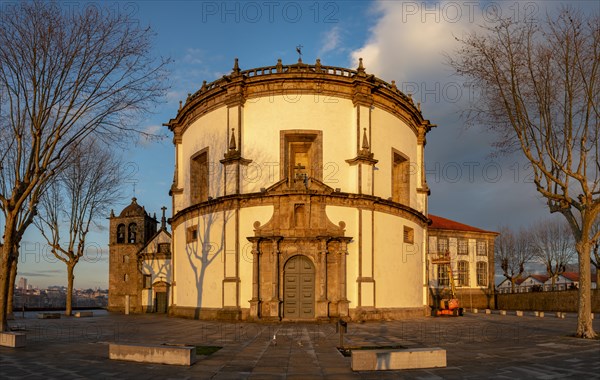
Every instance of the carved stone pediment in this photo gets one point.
(307, 185)
(296, 214)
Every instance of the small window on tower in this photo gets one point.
(192, 234)
(409, 235)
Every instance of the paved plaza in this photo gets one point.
(478, 346)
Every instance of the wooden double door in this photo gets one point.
(299, 288)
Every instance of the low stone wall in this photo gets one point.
(378, 314)
(546, 301)
(210, 314)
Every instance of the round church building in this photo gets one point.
(299, 194)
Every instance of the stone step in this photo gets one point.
(84, 314)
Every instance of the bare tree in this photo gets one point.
(541, 95)
(553, 247)
(512, 252)
(63, 76)
(81, 194)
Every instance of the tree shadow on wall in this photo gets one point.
(202, 251)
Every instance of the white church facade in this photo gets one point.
(299, 193)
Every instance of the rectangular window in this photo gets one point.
(443, 277)
(409, 235)
(482, 273)
(301, 155)
(400, 178)
(463, 247)
(147, 281)
(442, 245)
(463, 273)
(164, 247)
(192, 234)
(481, 248)
(199, 177)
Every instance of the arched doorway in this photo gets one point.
(299, 288)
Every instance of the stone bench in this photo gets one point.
(488, 311)
(84, 314)
(560, 314)
(385, 359)
(502, 312)
(48, 315)
(12, 339)
(539, 314)
(160, 354)
(519, 313)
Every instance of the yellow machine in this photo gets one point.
(448, 306)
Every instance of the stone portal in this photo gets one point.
(299, 257)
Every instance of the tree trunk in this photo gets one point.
(6, 255)
(11, 289)
(553, 286)
(70, 279)
(512, 285)
(584, 315)
(4, 274)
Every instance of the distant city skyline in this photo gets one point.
(402, 41)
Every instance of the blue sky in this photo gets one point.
(398, 40)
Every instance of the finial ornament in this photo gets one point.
(236, 67)
(232, 144)
(365, 143)
(361, 68)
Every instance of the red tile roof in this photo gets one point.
(540, 277)
(437, 222)
(573, 276)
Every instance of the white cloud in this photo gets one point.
(409, 40)
(193, 56)
(331, 41)
(152, 133)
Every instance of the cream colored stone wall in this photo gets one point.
(265, 117)
(248, 216)
(390, 132)
(398, 266)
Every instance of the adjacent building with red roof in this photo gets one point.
(470, 267)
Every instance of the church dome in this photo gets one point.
(133, 209)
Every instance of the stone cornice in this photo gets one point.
(299, 79)
(360, 201)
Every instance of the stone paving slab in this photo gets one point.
(478, 346)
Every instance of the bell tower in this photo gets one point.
(129, 233)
